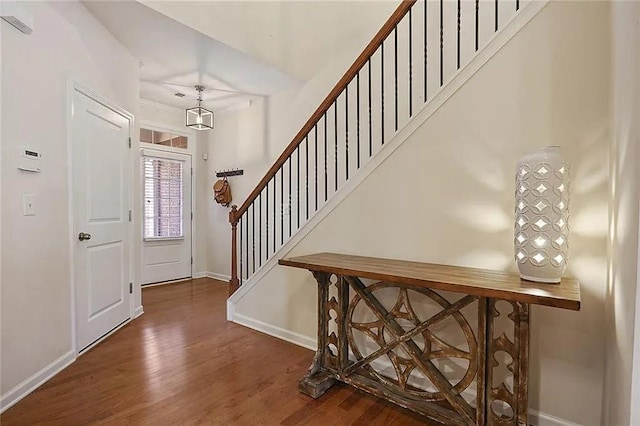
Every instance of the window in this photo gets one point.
(162, 198)
(163, 138)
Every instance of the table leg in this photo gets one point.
(318, 380)
(507, 405)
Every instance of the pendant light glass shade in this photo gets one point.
(199, 118)
(541, 238)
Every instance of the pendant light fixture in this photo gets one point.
(199, 118)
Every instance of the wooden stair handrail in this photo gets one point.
(353, 70)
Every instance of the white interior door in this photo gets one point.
(100, 157)
(166, 246)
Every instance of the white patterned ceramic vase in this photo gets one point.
(541, 240)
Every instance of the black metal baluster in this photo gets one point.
(441, 43)
(335, 138)
(358, 118)
(281, 205)
(298, 187)
(326, 178)
(266, 227)
(458, 39)
(346, 131)
(260, 230)
(370, 126)
(306, 174)
(246, 241)
(477, 22)
(315, 159)
(253, 235)
(410, 67)
(517, 5)
(290, 196)
(395, 74)
(275, 203)
(382, 90)
(425, 50)
(496, 7)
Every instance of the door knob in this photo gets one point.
(84, 236)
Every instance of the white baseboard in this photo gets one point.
(202, 274)
(219, 277)
(32, 383)
(280, 333)
(138, 311)
(536, 418)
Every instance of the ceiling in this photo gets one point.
(173, 58)
(298, 37)
(238, 50)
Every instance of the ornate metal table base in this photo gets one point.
(413, 351)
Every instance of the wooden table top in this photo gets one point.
(473, 281)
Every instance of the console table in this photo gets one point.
(408, 341)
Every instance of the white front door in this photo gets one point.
(166, 192)
(100, 157)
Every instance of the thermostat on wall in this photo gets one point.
(29, 160)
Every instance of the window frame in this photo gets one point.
(150, 156)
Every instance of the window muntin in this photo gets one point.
(163, 138)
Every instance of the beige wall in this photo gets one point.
(67, 43)
(625, 190)
(452, 182)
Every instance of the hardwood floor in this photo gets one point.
(183, 363)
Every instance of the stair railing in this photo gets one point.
(263, 227)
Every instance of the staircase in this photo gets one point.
(423, 53)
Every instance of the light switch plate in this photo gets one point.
(29, 204)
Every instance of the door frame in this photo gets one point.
(190, 151)
(74, 86)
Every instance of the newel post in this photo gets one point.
(234, 282)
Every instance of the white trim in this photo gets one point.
(137, 312)
(191, 151)
(202, 274)
(460, 78)
(30, 384)
(538, 418)
(180, 280)
(219, 277)
(280, 333)
(72, 87)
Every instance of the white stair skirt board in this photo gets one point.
(463, 75)
(32, 383)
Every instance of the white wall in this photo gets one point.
(165, 116)
(622, 324)
(254, 137)
(68, 43)
(452, 182)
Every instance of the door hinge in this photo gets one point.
(130, 216)
(192, 171)
(130, 288)
(192, 260)
(129, 141)
(191, 215)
